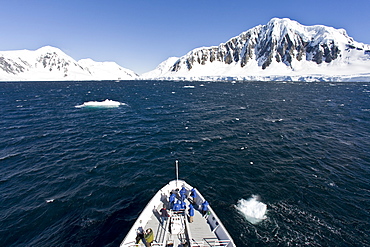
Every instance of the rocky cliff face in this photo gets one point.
(10, 66)
(281, 41)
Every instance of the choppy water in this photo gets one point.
(79, 177)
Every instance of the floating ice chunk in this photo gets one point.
(252, 209)
(105, 104)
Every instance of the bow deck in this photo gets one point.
(151, 229)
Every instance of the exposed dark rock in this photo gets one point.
(10, 66)
(318, 56)
(176, 66)
(228, 58)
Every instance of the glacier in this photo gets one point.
(281, 50)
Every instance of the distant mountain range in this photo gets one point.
(51, 64)
(282, 50)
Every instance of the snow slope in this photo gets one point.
(161, 68)
(281, 50)
(107, 70)
(50, 63)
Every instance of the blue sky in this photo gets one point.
(140, 34)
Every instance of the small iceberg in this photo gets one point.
(101, 104)
(252, 209)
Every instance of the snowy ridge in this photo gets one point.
(107, 70)
(282, 50)
(50, 63)
(161, 68)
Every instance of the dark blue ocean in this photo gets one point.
(80, 176)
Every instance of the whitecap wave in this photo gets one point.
(273, 120)
(101, 104)
(252, 209)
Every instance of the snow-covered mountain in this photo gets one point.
(107, 70)
(50, 63)
(281, 50)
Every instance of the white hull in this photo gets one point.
(203, 231)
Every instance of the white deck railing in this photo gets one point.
(210, 243)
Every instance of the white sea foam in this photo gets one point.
(252, 209)
(106, 104)
(273, 120)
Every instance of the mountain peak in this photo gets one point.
(50, 49)
(282, 21)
